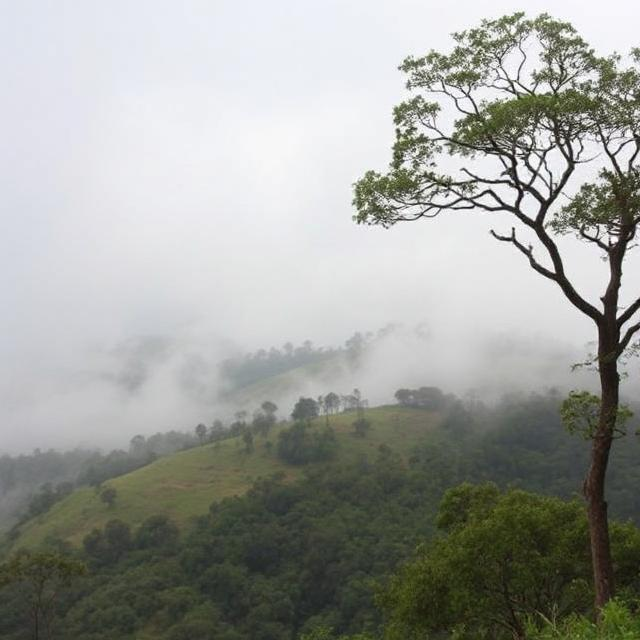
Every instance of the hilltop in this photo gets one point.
(291, 383)
(183, 485)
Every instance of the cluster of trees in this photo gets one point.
(46, 497)
(270, 565)
(38, 578)
(302, 444)
(329, 404)
(535, 566)
(262, 422)
(160, 444)
(104, 547)
(297, 444)
(430, 398)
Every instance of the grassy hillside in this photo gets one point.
(289, 383)
(183, 485)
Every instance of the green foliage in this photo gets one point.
(109, 545)
(157, 532)
(30, 485)
(108, 495)
(35, 581)
(506, 557)
(466, 503)
(300, 444)
(306, 409)
(427, 397)
(264, 420)
(526, 90)
(580, 413)
(307, 549)
(262, 565)
(247, 438)
(201, 432)
(184, 484)
(361, 426)
(618, 623)
(46, 497)
(325, 633)
(597, 207)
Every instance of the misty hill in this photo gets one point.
(283, 373)
(183, 485)
(518, 442)
(290, 384)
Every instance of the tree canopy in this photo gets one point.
(523, 118)
(506, 558)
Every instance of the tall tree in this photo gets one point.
(201, 432)
(269, 407)
(40, 577)
(332, 402)
(522, 118)
(305, 410)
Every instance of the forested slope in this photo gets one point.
(183, 485)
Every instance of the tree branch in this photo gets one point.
(629, 313)
(630, 332)
(526, 251)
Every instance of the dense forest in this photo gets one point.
(323, 557)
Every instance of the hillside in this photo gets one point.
(290, 384)
(183, 485)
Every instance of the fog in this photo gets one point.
(176, 188)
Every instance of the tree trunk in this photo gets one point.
(594, 484)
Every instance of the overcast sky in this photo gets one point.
(183, 169)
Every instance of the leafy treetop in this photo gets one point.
(520, 117)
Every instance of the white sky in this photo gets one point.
(184, 169)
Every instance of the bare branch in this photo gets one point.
(629, 312)
(527, 251)
(626, 339)
(595, 239)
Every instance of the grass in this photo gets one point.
(184, 484)
(281, 384)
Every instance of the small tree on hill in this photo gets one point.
(269, 408)
(201, 432)
(138, 446)
(403, 396)
(264, 420)
(247, 438)
(239, 424)
(332, 402)
(108, 495)
(305, 410)
(216, 432)
(523, 119)
(301, 445)
(361, 426)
